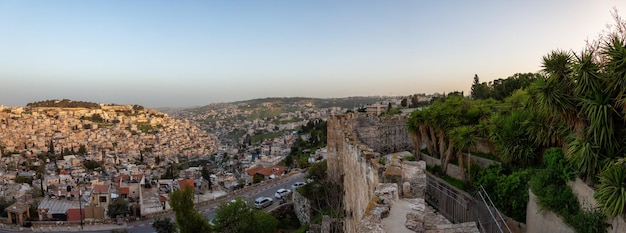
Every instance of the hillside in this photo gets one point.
(266, 116)
(105, 129)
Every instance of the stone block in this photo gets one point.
(406, 189)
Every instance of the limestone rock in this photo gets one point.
(415, 221)
(406, 189)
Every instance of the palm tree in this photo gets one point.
(611, 194)
(510, 134)
(463, 138)
(416, 136)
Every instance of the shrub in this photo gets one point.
(509, 192)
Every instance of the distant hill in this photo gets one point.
(316, 103)
(268, 116)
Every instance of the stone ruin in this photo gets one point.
(381, 193)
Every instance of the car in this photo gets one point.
(263, 202)
(280, 193)
(297, 184)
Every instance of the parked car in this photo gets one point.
(280, 193)
(297, 184)
(263, 202)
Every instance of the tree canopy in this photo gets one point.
(188, 219)
(238, 217)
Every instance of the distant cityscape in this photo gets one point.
(93, 155)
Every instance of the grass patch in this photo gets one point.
(454, 182)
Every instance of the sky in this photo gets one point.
(193, 53)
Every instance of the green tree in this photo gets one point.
(463, 139)
(237, 216)
(206, 174)
(256, 178)
(91, 165)
(187, 218)
(164, 225)
(403, 102)
(118, 207)
(4, 203)
(509, 133)
(317, 171)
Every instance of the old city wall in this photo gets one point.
(384, 135)
(355, 143)
(350, 163)
(302, 207)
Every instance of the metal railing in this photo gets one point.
(458, 206)
(493, 222)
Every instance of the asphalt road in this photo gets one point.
(267, 189)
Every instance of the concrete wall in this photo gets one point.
(584, 193)
(453, 170)
(538, 221)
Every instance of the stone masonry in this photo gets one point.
(369, 201)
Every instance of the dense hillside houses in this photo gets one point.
(109, 130)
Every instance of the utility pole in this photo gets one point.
(80, 207)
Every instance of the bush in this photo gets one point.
(509, 192)
(554, 159)
(553, 194)
(588, 220)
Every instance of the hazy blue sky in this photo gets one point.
(190, 53)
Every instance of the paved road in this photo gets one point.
(267, 189)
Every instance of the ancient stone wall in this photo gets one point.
(384, 135)
(355, 144)
(349, 163)
(302, 207)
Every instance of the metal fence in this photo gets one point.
(458, 206)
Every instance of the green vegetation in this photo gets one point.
(65, 103)
(146, 128)
(235, 134)
(238, 216)
(325, 196)
(499, 89)
(508, 189)
(119, 207)
(164, 225)
(23, 180)
(261, 137)
(553, 194)
(577, 102)
(4, 203)
(315, 131)
(92, 165)
(188, 219)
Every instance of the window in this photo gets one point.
(103, 199)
